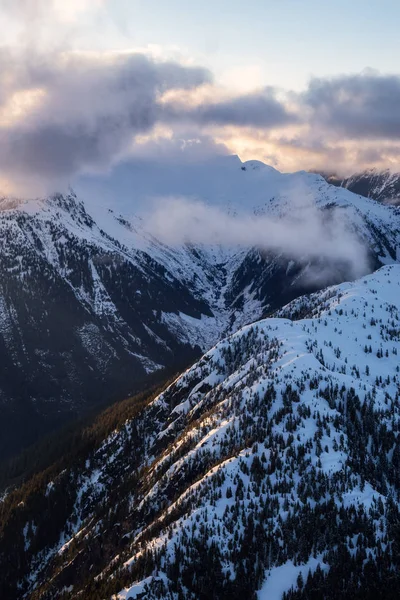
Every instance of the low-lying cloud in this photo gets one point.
(303, 232)
(72, 112)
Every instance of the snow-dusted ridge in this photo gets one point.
(383, 186)
(277, 453)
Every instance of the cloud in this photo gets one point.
(258, 109)
(89, 109)
(64, 112)
(344, 124)
(35, 10)
(362, 106)
(167, 145)
(28, 8)
(46, 24)
(302, 232)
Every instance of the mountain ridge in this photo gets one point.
(91, 303)
(383, 186)
(274, 456)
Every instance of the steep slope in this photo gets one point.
(270, 467)
(78, 317)
(383, 186)
(91, 303)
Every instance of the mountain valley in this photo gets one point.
(93, 305)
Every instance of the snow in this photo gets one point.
(137, 589)
(307, 346)
(320, 338)
(282, 578)
(113, 222)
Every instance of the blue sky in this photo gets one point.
(289, 40)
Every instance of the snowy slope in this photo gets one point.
(383, 186)
(316, 367)
(271, 464)
(91, 302)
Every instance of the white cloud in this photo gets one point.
(303, 231)
(71, 10)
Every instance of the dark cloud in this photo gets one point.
(364, 106)
(260, 109)
(312, 145)
(89, 109)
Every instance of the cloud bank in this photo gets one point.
(64, 112)
(362, 106)
(304, 232)
(72, 112)
(80, 110)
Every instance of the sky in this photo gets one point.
(281, 43)
(298, 84)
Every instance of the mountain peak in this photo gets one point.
(257, 165)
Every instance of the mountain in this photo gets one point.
(92, 305)
(268, 469)
(383, 186)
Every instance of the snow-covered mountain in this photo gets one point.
(383, 186)
(269, 469)
(91, 303)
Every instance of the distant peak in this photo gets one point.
(256, 165)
